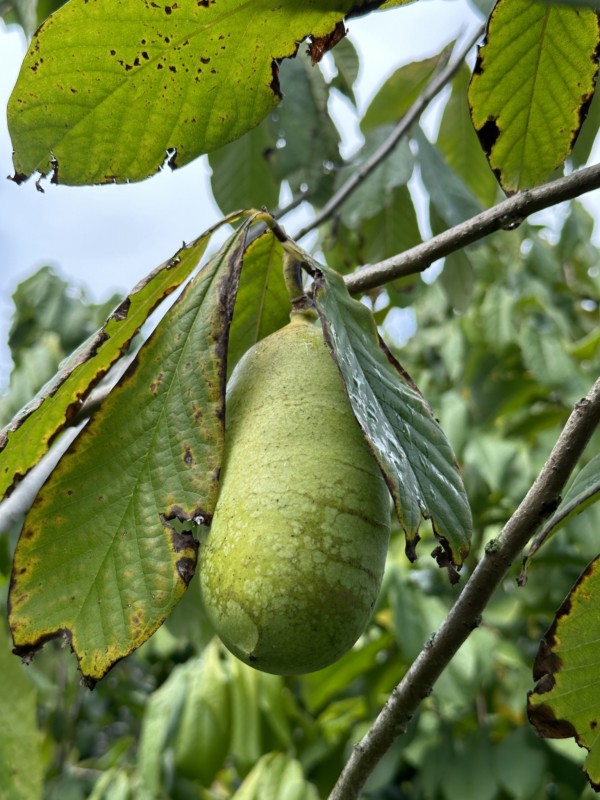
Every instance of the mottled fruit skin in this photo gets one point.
(292, 564)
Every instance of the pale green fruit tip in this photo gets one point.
(291, 566)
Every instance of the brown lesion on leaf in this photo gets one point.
(275, 85)
(547, 663)
(122, 310)
(544, 720)
(320, 45)
(188, 456)
(410, 548)
(443, 555)
(186, 568)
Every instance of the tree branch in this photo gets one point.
(507, 215)
(433, 88)
(541, 500)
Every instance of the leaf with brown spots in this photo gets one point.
(532, 86)
(153, 81)
(566, 701)
(25, 440)
(98, 562)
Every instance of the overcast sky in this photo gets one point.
(108, 237)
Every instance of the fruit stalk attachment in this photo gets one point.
(292, 275)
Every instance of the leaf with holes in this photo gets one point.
(263, 304)
(412, 450)
(566, 701)
(110, 91)
(98, 562)
(532, 86)
(32, 431)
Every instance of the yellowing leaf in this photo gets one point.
(532, 85)
(110, 91)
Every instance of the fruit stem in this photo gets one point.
(292, 275)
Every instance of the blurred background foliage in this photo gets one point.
(504, 341)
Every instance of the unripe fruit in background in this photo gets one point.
(292, 564)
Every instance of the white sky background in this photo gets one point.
(107, 237)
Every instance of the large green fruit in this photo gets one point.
(292, 564)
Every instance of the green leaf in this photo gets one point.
(21, 770)
(470, 775)
(33, 430)
(108, 92)
(98, 562)
(587, 346)
(347, 62)
(457, 141)
(375, 192)
(246, 737)
(533, 78)
(203, 736)
(458, 275)
(241, 177)
(276, 777)
(303, 123)
(409, 445)
(319, 687)
(544, 355)
(583, 492)
(398, 93)
(161, 720)
(394, 229)
(566, 701)
(263, 303)
(519, 766)
(451, 198)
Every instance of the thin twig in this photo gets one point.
(506, 215)
(433, 88)
(541, 500)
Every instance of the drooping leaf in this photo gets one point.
(451, 198)
(347, 62)
(458, 275)
(21, 769)
(202, 739)
(531, 87)
(263, 303)
(241, 177)
(276, 776)
(375, 192)
(583, 492)
(458, 280)
(566, 701)
(394, 229)
(398, 93)
(410, 446)
(457, 141)
(108, 91)
(97, 561)
(31, 432)
(160, 724)
(303, 125)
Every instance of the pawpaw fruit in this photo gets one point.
(292, 563)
